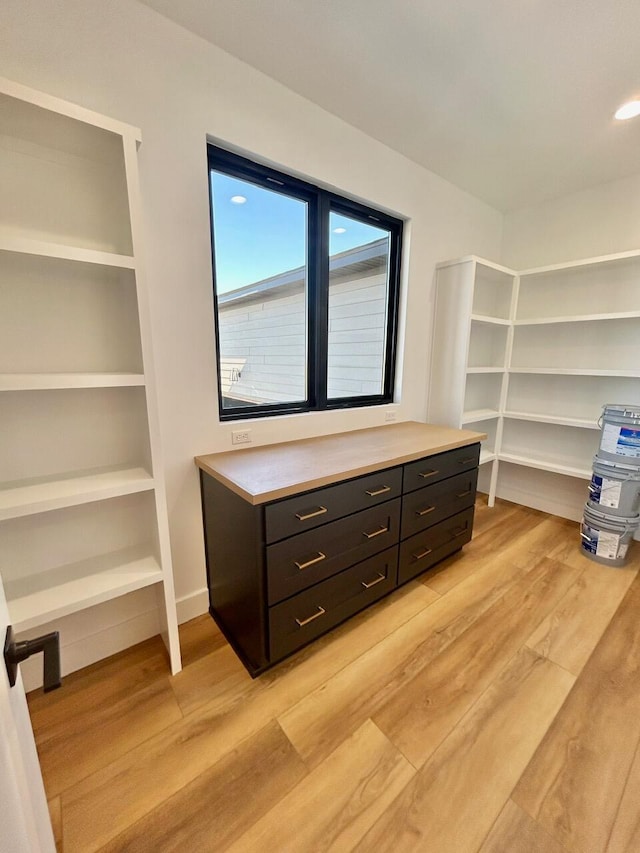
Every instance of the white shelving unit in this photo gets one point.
(472, 343)
(83, 516)
(566, 341)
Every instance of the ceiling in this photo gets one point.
(512, 100)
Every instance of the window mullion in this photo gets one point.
(319, 315)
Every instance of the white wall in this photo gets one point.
(599, 221)
(125, 61)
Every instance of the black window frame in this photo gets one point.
(321, 203)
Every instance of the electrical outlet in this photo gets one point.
(389, 417)
(241, 436)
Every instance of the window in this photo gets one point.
(306, 293)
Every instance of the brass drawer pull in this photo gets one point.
(303, 622)
(425, 511)
(464, 494)
(315, 560)
(460, 532)
(375, 533)
(320, 511)
(426, 474)
(422, 554)
(375, 492)
(379, 579)
(467, 460)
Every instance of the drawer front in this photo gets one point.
(426, 507)
(439, 467)
(304, 512)
(300, 561)
(429, 547)
(295, 622)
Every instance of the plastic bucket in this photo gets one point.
(615, 487)
(606, 538)
(620, 436)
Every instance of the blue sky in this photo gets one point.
(266, 235)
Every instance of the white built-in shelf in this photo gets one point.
(37, 599)
(579, 318)
(26, 246)
(568, 335)
(74, 316)
(490, 321)
(486, 456)
(479, 415)
(53, 381)
(546, 465)
(575, 371)
(584, 423)
(23, 498)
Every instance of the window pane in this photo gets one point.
(358, 304)
(260, 249)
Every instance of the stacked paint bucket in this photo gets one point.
(611, 513)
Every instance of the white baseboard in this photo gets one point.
(192, 605)
(544, 502)
(120, 624)
(94, 647)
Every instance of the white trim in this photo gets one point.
(192, 605)
(89, 649)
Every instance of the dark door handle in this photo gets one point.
(15, 653)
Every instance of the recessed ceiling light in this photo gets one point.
(238, 199)
(339, 230)
(629, 110)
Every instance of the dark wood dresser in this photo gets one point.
(300, 536)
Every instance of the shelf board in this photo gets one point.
(485, 369)
(579, 318)
(483, 262)
(583, 423)
(38, 599)
(51, 381)
(575, 371)
(25, 246)
(586, 262)
(474, 415)
(486, 456)
(547, 465)
(490, 321)
(28, 497)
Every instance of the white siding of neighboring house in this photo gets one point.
(263, 342)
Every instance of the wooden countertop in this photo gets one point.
(273, 471)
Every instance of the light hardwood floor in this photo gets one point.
(491, 706)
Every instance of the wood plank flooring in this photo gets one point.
(490, 706)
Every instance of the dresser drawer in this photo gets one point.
(426, 507)
(424, 550)
(301, 561)
(439, 467)
(304, 512)
(295, 622)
